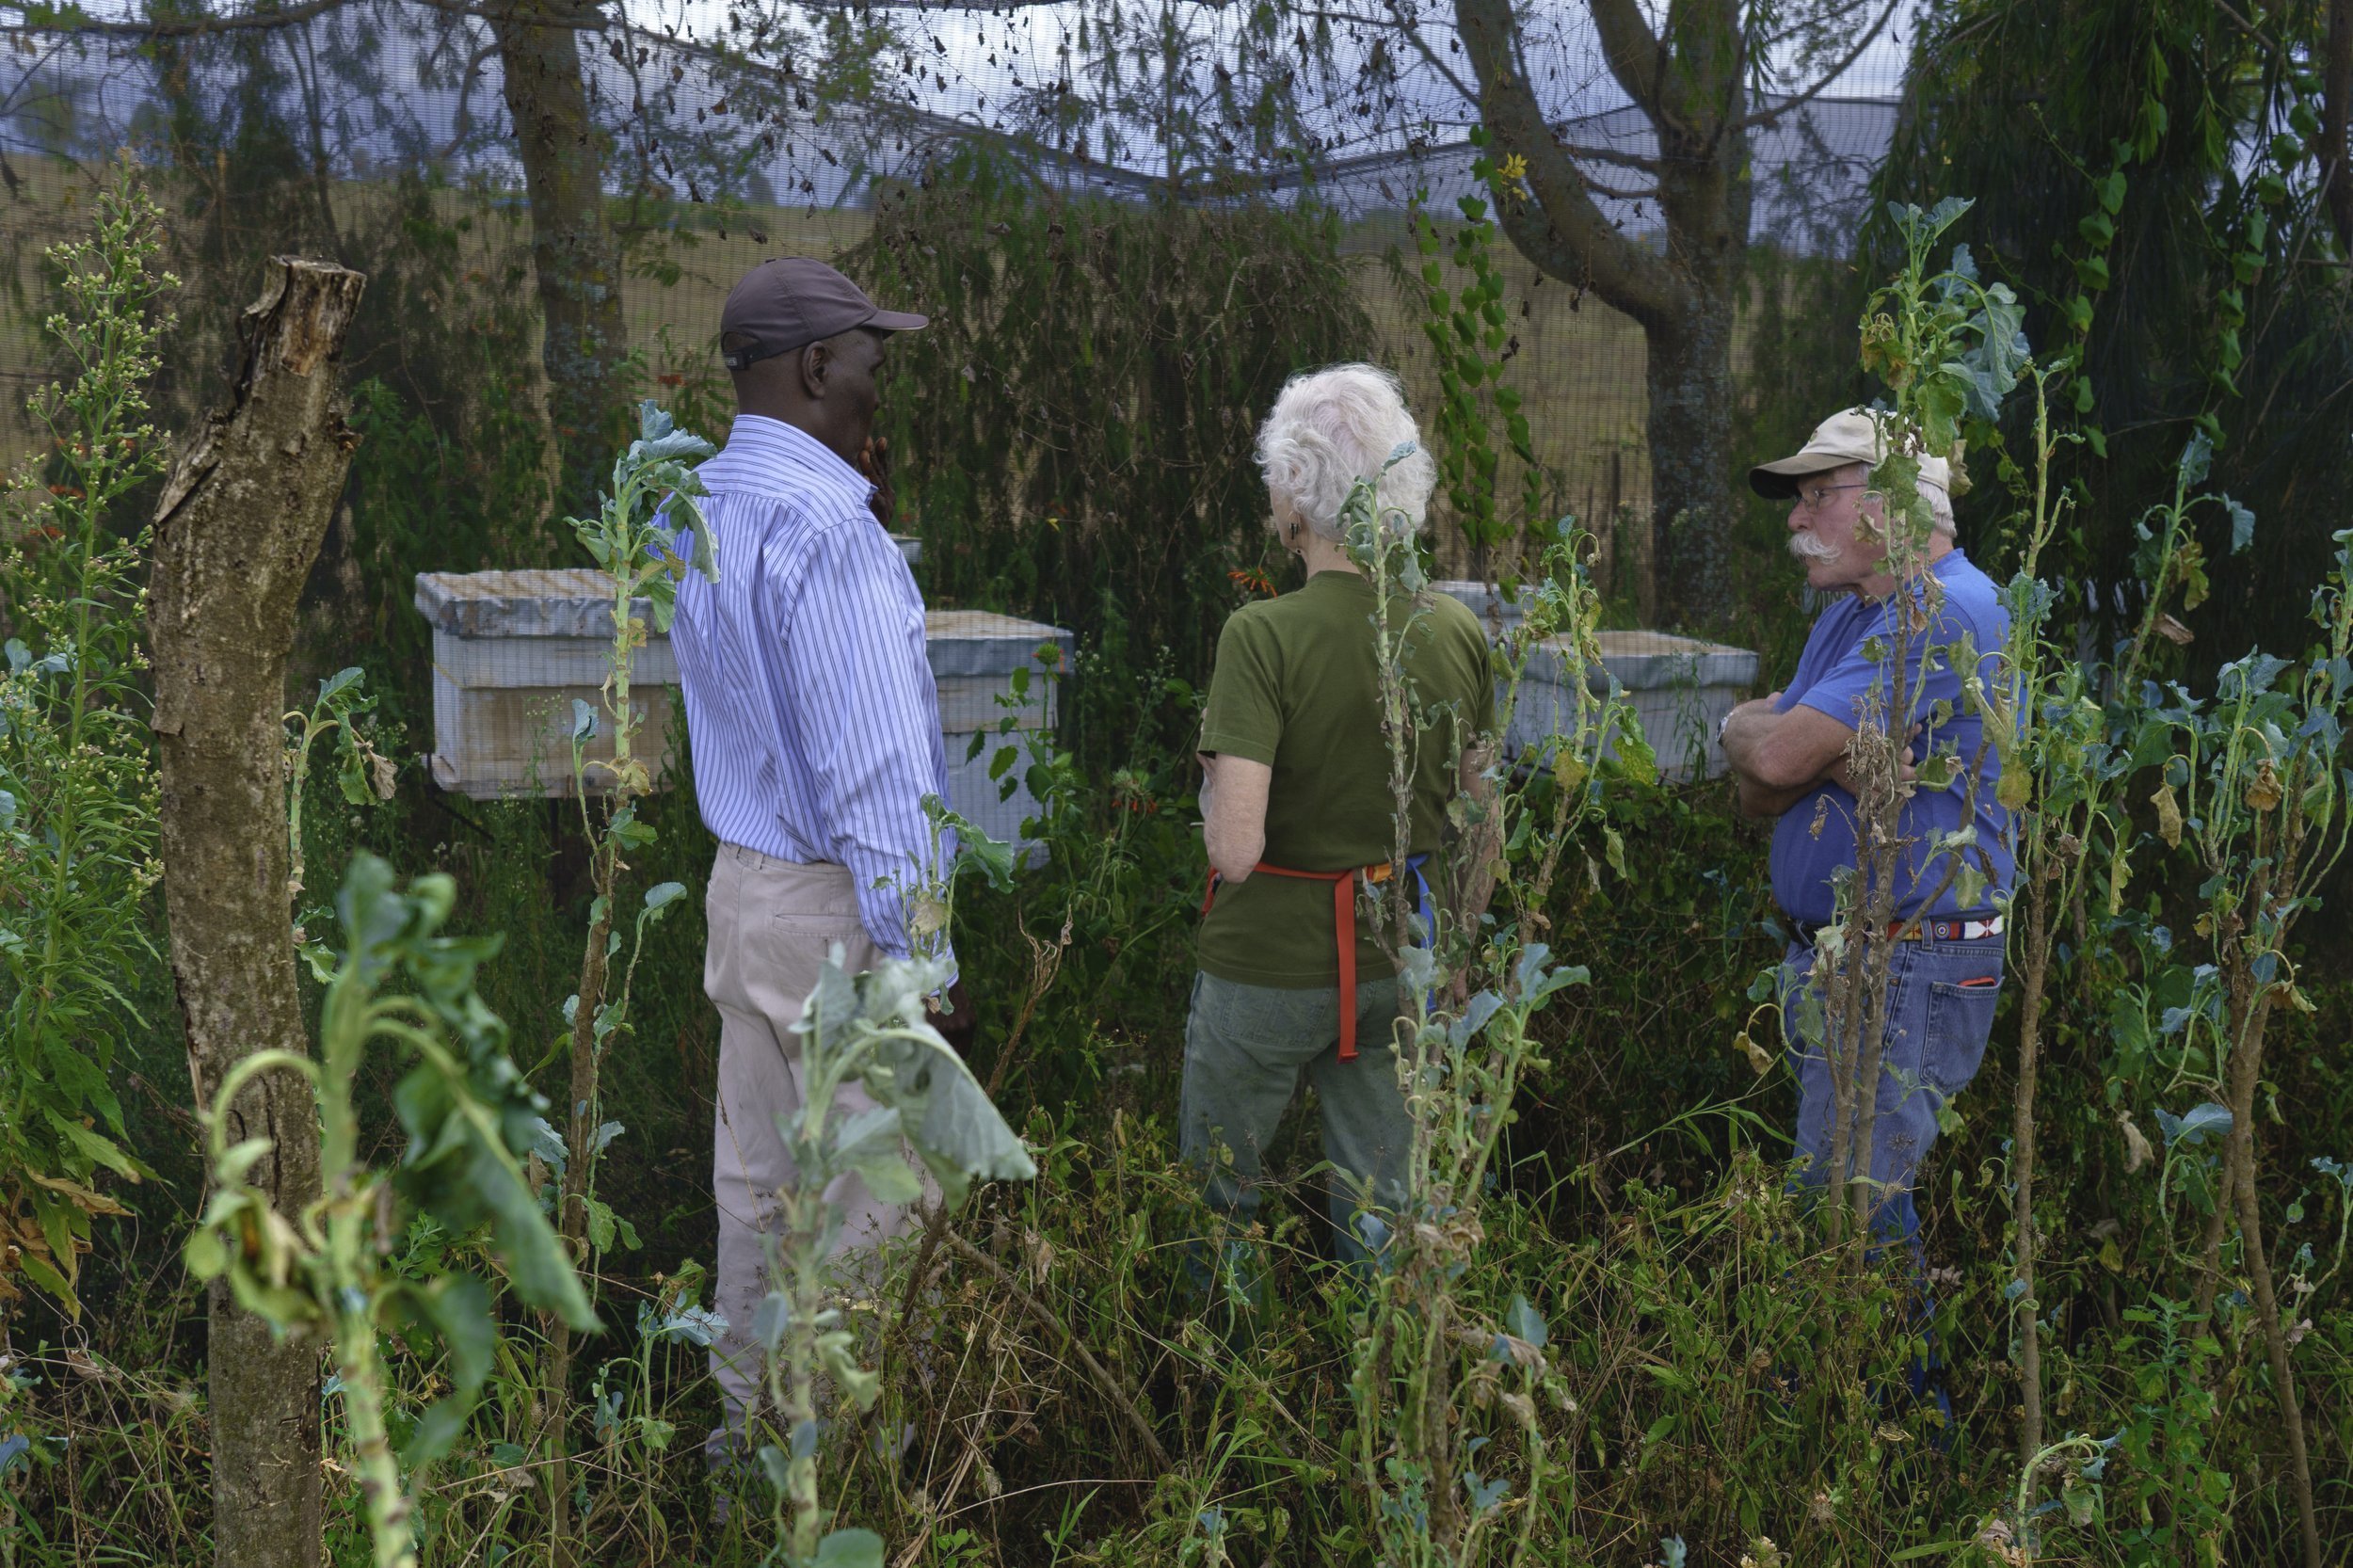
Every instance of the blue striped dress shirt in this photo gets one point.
(810, 699)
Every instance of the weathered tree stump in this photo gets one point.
(236, 530)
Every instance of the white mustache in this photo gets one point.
(1808, 546)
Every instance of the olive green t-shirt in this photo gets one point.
(1296, 688)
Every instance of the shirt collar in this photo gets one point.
(759, 439)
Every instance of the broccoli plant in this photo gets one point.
(633, 535)
(872, 1029)
(466, 1110)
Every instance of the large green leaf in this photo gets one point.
(457, 1308)
(850, 1548)
(956, 1130)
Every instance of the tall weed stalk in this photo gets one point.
(466, 1111)
(872, 1029)
(77, 783)
(1426, 1357)
(1949, 347)
(632, 537)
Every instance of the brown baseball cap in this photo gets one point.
(792, 302)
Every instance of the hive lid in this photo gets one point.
(980, 642)
(1650, 661)
(570, 601)
(575, 601)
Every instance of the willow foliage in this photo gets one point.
(1078, 417)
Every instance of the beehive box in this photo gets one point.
(1679, 688)
(1499, 615)
(512, 650)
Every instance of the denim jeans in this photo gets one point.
(1940, 1011)
(1246, 1047)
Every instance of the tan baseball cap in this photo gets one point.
(1850, 435)
(792, 302)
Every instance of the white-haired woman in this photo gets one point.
(1299, 815)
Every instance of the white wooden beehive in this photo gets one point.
(975, 654)
(512, 650)
(1680, 688)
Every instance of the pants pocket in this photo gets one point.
(1961, 1019)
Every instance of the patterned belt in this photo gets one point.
(1967, 928)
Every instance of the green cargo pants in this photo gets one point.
(1245, 1048)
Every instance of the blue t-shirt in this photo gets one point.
(1836, 675)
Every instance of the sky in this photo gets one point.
(973, 61)
(969, 67)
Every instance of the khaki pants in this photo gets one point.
(772, 925)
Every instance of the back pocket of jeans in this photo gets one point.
(1959, 1019)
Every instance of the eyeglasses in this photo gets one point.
(1812, 499)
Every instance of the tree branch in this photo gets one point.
(1405, 25)
(1566, 234)
(1766, 117)
(1635, 57)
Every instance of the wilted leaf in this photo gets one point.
(693, 1325)
(2242, 525)
(2190, 470)
(2137, 1150)
(206, 1257)
(2264, 792)
(1523, 1321)
(1568, 770)
(943, 1110)
(2174, 632)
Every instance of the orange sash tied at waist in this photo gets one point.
(1343, 927)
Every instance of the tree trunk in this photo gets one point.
(1687, 82)
(236, 530)
(2336, 113)
(1689, 382)
(572, 248)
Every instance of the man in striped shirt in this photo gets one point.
(815, 729)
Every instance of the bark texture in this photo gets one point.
(573, 253)
(236, 530)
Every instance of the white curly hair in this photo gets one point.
(1331, 428)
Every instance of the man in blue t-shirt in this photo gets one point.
(1790, 752)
